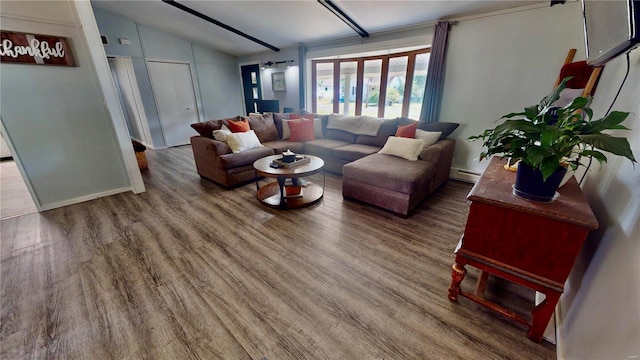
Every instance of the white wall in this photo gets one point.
(502, 62)
(215, 74)
(600, 308)
(54, 116)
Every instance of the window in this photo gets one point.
(383, 86)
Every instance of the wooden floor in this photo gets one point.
(15, 199)
(189, 270)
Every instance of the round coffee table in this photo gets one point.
(273, 193)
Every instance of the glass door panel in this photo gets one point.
(371, 87)
(418, 85)
(348, 77)
(395, 86)
(324, 88)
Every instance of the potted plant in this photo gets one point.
(547, 140)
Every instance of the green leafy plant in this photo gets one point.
(545, 137)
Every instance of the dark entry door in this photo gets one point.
(251, 86)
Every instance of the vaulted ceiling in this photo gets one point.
(284, 24)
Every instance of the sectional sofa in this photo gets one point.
(387, 181)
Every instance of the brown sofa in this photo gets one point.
(215, 161)
(386, 181)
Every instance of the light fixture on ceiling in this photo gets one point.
(344, 17)
(268, 64)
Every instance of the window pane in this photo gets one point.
(348, 77)
(418, 85)
(395, 86)
(254, 78)
(371, 87)
(324, 90)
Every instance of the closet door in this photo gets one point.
(175, 99)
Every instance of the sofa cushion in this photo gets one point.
(206, 128)
(264, 126)
(403, 147)
(388, 128)
(280, 146)
(390, 172)
(354, 152)
(323, 147)
(340, 136)
(233, 160)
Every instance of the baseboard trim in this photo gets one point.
(80, 199)
(464, 175)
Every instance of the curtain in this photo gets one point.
(435, 74)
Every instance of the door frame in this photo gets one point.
(194, 83)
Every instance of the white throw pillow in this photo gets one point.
(405, 148)
(221, 135)
(242, 141)
(429, 137)
(286, 132)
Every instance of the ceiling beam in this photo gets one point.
(344, 17)
(218, 23)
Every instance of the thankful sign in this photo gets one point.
(35, 49)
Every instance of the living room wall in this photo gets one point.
(600, 309)
(501, 62)
(54, 115)
(215, 73)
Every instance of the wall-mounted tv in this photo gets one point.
(611, 28)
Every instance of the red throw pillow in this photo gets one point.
(307, 116)
(301, 131)
(408, 131)
(239, 126)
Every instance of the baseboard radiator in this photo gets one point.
(464, 175)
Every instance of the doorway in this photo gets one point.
(15, 198)
(130, 99)
(251, 86)
(175, 96)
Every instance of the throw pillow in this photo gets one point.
(239, 126)
(264, 127)
(446, 127)
(286, 132)
(408, 131)
(403, 147)
(317, 123)
(242, 141)
(206, 128)
(429, 137)
(221, 135)
(301, 130)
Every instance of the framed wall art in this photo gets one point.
(277, 82)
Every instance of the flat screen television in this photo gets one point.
(611, 28)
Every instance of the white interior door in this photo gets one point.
(176, 100)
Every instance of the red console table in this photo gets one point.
(530, 243)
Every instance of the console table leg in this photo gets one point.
(457, 275)
(541, 315)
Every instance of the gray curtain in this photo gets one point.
(435, 74)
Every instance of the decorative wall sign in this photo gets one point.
(277, 82)
(23, 48)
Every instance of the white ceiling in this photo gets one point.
(285, 24)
